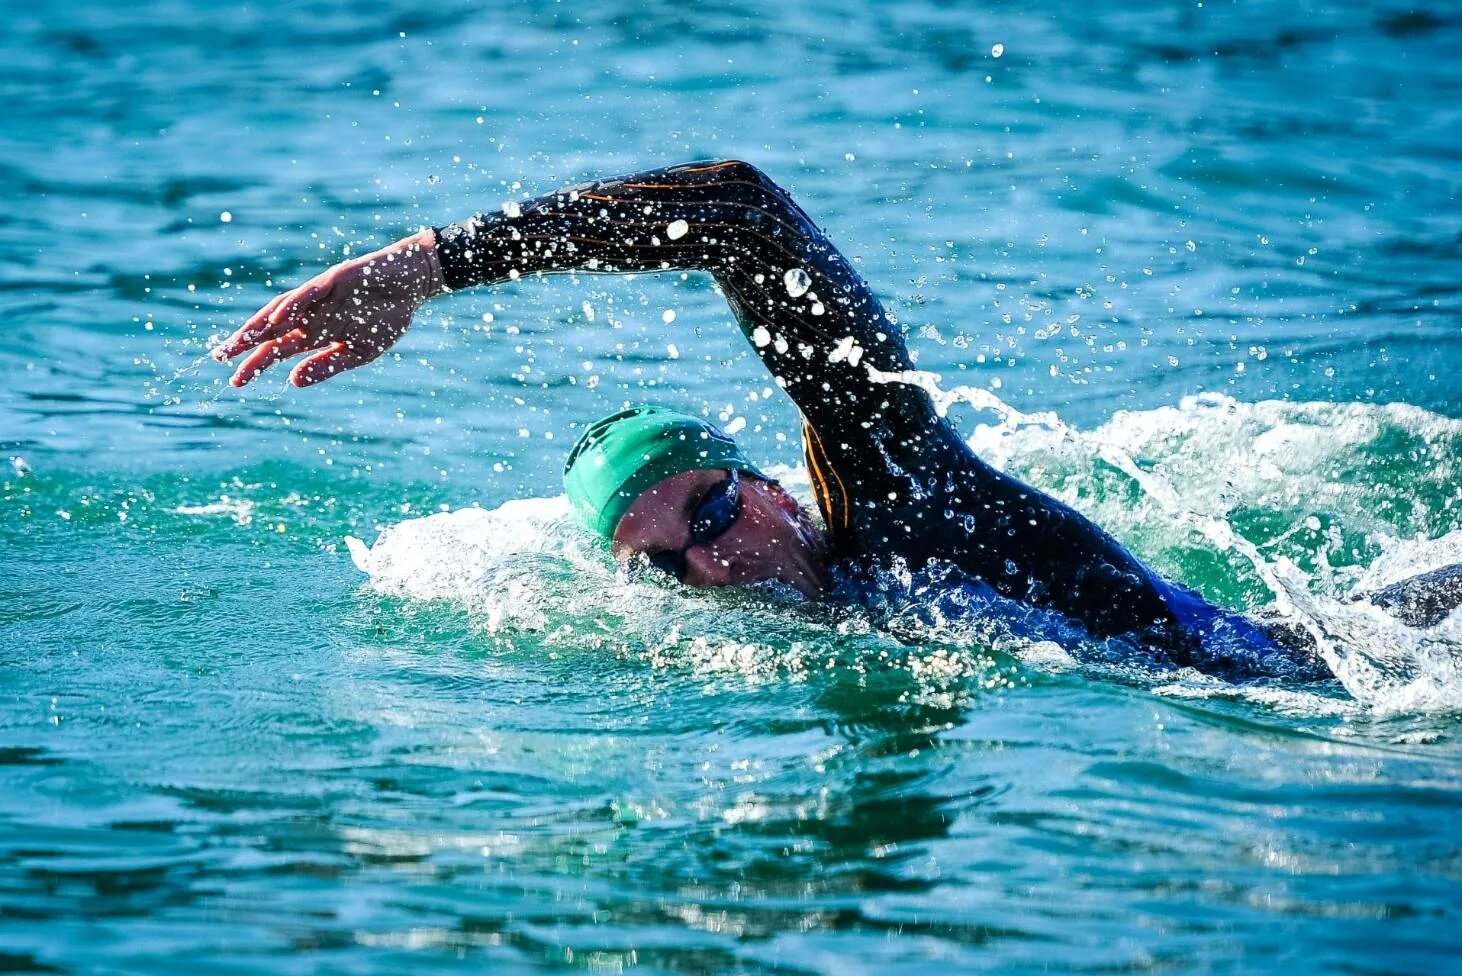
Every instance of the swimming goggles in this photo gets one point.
(718, 510)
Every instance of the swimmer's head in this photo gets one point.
(624, 454)
(676, 489)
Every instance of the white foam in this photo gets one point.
(241, 510)
(1404, 558)
(448, 555)
(1199, 463)
(1167, 481)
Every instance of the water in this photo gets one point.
(1216, 246)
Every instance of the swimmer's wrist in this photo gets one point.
(428, 265)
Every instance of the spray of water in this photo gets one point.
(1379, 660)
(526, 567)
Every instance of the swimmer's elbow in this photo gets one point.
(731, 171)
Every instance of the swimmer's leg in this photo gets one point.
(1424, 600)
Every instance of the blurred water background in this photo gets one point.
(1219, 242)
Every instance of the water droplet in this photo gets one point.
(226, 217)
(676, 230)
(997, 50)
(511, 209)
(667, 316)
(844, 351)
(797, 282)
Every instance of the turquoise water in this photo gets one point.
(1218, 243)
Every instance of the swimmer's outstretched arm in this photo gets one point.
(796, 297)
(799, 301)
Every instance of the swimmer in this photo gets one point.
(891, 477)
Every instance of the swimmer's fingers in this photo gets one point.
(257, 329)
(273, 351)
(298, 304)
(289, 312)
(336, 359)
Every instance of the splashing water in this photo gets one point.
(216, 745)
(1146, 476)
(526, 568)
(1379, 660)
(797, 282)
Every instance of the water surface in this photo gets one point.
(1218, 242)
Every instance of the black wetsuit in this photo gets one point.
(891, 476)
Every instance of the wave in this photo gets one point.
(1276, 508)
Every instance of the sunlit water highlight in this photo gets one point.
(1190, 268)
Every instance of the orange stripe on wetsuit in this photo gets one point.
(819, 467)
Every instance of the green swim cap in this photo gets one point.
(627, 452)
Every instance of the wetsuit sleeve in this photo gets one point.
(811, 318)
(892, 476)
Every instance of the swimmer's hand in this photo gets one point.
(343, 317)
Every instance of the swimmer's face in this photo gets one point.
(718, 528)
